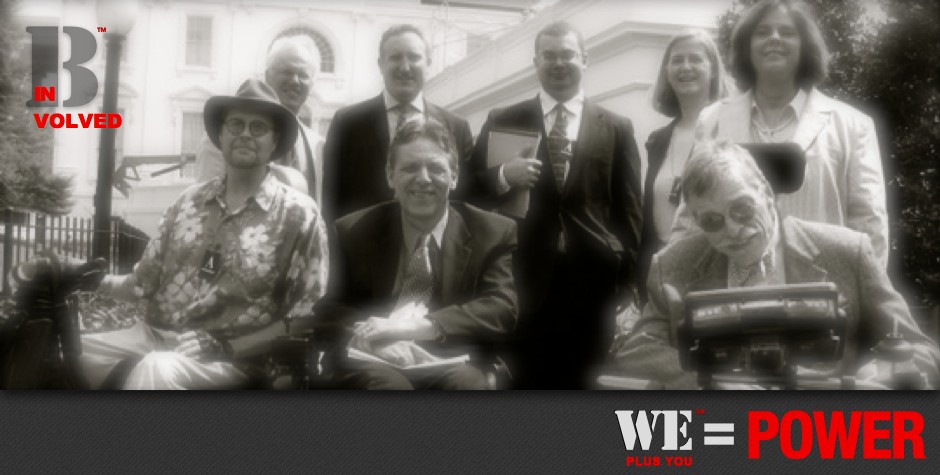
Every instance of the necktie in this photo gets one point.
(559, 147)
(405, 112)
(751, 275)
(418, 282)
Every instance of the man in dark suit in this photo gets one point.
(578, 240)
(420, 279)
(357, 142)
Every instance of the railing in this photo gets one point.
(26, 233)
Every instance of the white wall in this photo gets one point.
(156, 87)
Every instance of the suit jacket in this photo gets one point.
(813, 252)
(475, 297)
(656, 147)
(356, 151)
(844, 182)
(598, 209)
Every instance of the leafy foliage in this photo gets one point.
(29, 187)
(883, 61)
(26, 178)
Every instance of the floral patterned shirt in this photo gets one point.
(273, 254)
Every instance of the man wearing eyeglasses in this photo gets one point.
(745, 242)
(292, 64)
(357, 143)
(578, 240)
(236, 259)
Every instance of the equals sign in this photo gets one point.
(712, 428)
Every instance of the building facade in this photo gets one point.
(179, 53)
(625, 41)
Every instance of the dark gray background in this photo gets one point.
(357, 432)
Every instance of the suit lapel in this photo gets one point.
(455, 255)
(709, 272)
(432, 111)
(656, 147)
(734, 121)
(386, 254)
(815, 117)
(588, 135)
(381, 134)
(800, 255)
(532, 116)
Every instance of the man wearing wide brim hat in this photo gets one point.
(259, 96)
(291, 67)
(256, 96)
(236, 259)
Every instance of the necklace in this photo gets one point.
(769, 134)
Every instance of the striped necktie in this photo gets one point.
(559, 147)
(405, 112)
(418, 282)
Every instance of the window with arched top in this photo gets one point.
(327, 59)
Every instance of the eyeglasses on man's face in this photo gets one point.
(740, 212)
(256, 128)
(566, 56)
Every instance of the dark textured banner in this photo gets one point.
(520, 432)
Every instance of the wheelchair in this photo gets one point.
(40, 344)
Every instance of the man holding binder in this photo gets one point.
(579, 233)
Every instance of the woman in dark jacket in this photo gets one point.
(691, 77)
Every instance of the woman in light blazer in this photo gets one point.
(778, 57)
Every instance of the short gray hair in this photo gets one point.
(715, 163)
(302, 44)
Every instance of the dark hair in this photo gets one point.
(664, 97)
(559, 29)
(814, 57)
(717, 163)
(401, 29)
(420, 128)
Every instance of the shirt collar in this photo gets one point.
(264, 197)
(574, 105)
(768, 262)
(796, 104)
(411, 233)
(391, 102)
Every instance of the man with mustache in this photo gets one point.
(292, 65)
(578, 241)
(746, 242)
(236, 260)
(357, 142)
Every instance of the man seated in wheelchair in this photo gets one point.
(744, 242)
(420, 287)
(235, 260)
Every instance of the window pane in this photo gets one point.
(198, 41)
(192, 131)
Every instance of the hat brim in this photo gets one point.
(285, 122)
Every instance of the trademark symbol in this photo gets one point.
(102, 29)
(700, 411)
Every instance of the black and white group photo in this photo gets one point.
(426, 194)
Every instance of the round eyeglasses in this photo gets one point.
(256, 128)
(741, 213)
